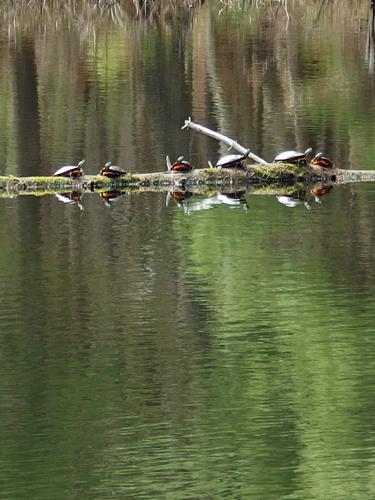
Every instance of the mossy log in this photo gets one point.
(256, 176)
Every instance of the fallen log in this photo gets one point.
(252, 175)
(278, 175)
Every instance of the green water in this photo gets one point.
(193, 351)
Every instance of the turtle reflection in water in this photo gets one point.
(294, 199)
(294, 157)
(177, 196)
(70, 170)
(235, 199)
(73, 198)
(319, 191)
(110, 196)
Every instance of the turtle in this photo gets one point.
(180, 165)
(70, 170)
(293, 157)
(321, 161)
(110, 170)
(232, 161)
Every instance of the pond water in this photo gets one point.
(197, 349)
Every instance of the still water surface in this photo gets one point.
(153, 351)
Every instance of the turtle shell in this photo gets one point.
(321, 161)
(110, 170)
(70, 170)
(232, 161)
(292, 156)
(181, 165)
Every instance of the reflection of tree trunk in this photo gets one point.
(201, 35)
(26, 106)
(28, 159)
(370, 49)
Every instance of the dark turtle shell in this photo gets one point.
(180, 165)
(292, 157)
(321, 161)
(70, 170)
(232, 161)
(110, 170)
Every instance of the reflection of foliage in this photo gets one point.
(87, 13)
(277, 284)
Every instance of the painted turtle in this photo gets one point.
(180, 165)
(70, 170)
(321, 161)
(293, 157)
(110, 170)
(232, 161)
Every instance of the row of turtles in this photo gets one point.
(181, 165)
(236, 160)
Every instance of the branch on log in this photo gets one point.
(223, 138)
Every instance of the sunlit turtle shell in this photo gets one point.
(70, 170)
(292, 156)
(232, 161)
(180, 165)
(110, 170)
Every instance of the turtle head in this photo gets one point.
(108, 164)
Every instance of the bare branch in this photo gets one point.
(222, 138)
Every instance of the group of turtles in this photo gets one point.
(236, 160)
(181, 165)
(75, 171)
